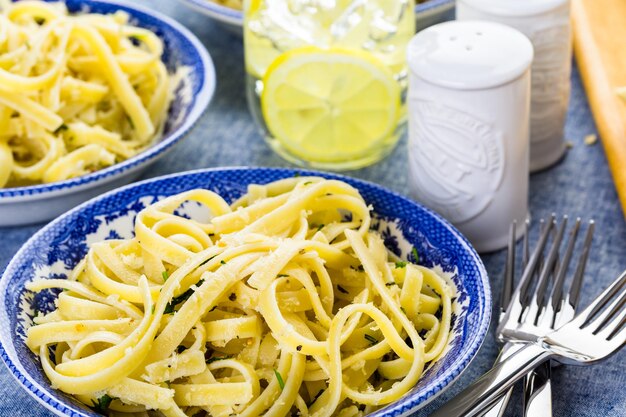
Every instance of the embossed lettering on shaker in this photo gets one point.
(459, 160)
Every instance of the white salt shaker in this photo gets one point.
(547, 25)
(469, 106)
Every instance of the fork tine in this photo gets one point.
(525, 252)
(516, 308)
(557, 290)
(574, 292)
(509, 271)
(548, 267)
(541, 260)
(583, 318)
(533, 261)
(617, 323)
(605, 323)
(555, 265)
(617, 333)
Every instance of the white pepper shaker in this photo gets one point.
(469, 107)
(547, 25)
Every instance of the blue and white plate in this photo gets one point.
(58, 247)
(426, 14)
(23, 205)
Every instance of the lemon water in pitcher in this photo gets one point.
(326, 79)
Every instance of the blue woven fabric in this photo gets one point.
(580, 185)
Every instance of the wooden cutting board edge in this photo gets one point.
(607, 107)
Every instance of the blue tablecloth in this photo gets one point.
(580, 185)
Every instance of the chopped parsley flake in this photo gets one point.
(102, 406)
(415, 255)
(170, 307)
(359, 268)
(203, 263)
(400, 264)
(165, 275)
(370, 338)
(279, 377)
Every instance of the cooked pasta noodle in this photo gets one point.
(283, 303)
(77, 93)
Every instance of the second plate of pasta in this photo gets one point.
(91, 92)
(245, 292)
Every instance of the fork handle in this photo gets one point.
(487, 389)
(537, 395)
(498, 409)
(538, 392)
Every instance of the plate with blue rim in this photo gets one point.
(57, 248)
(427, 13)
(36, 203)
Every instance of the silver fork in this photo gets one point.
(498, 409)
(596, 333)
(537, 385)
(560, 310)
(537, 392)
(530, 315)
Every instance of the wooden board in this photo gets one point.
(600, 48)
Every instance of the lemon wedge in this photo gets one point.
(329, 105)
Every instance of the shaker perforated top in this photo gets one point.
(469, 55)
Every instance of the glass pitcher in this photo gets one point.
(327, 79)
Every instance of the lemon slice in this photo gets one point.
(329, 105)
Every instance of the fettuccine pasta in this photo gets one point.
(284, 303)
(77, 93)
